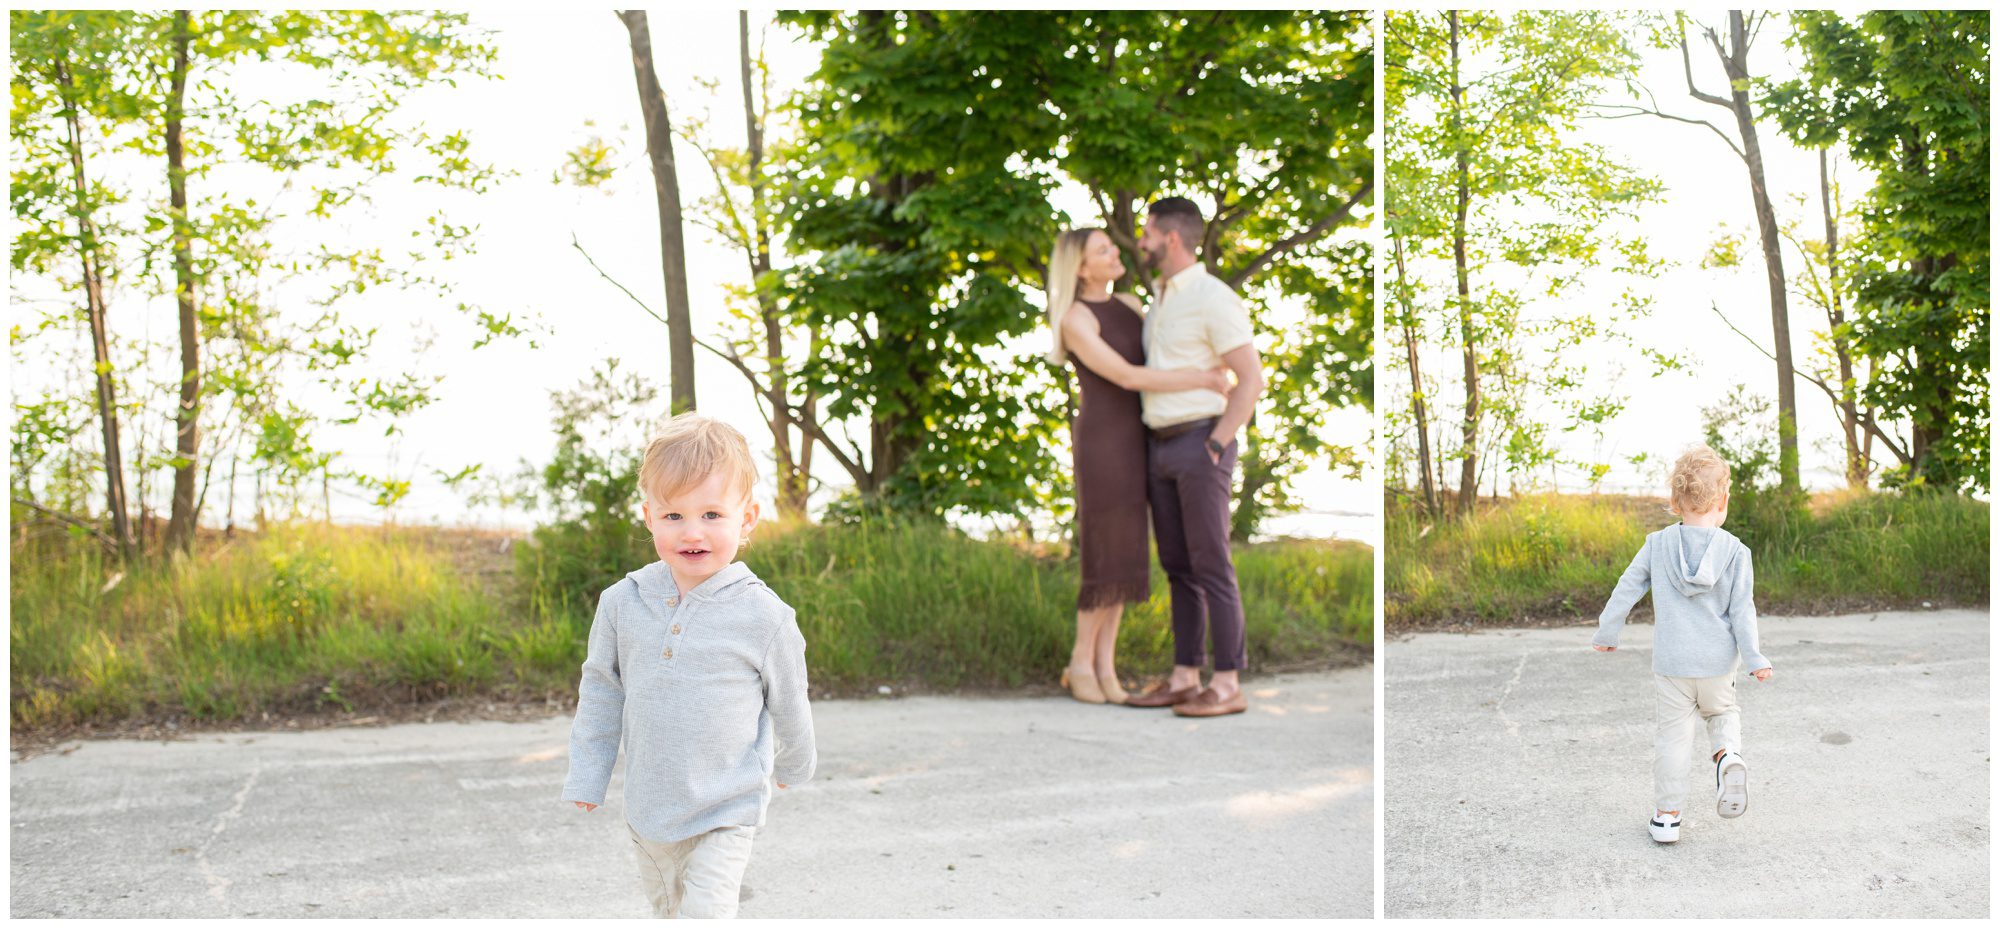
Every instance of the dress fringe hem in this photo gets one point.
(1108, 593)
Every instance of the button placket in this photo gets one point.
(674, 633)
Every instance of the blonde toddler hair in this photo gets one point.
(1698, 482)
(688, 449)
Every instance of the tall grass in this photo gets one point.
(294, 619)
(1555, 556)
(919, 604)
(308, 618)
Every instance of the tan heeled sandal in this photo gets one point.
(1083, 687)
(1112, 692)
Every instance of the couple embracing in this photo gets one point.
(1155, 441)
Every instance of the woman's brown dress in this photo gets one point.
(1109, 441)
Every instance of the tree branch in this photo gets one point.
(856, 471)
(1756, 25)
(67, 519)
(1244, 205)
(1642, 111)
(738, 234)
(1306, 236)
(614, 281)
(1121, 237)
(1732, 60)
(1687, 69)
(799, 417)
(1867, 419)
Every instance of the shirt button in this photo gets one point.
(668, 653)
(673, 601)
(677, 629)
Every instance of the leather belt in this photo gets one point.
(1179, 429)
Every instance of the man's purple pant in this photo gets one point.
(1190, 497)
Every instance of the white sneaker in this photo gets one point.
(1666, 828)
(1732, 786)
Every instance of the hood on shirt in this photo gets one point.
(657, 580)
(1695, 580)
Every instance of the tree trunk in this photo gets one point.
(187, 416)
(1736, 64)
(1416, 386)
(93, 288)
(791, 483)
(888, 447)
(667, 191)
(1468, 473)
(1122, 221)
(1850, 423)
(1930, 419)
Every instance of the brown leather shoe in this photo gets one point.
(1158, 696)
(1207, 704)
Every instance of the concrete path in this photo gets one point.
(1518, 776)
(923, 807)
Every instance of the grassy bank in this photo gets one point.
(294, 620)
(926, 607)
(315, 619)
(1553, 557)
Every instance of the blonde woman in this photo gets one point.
(1101, 333)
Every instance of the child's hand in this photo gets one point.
(1605, 648)
(586, 807)
(1762, 674)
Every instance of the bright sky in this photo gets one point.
(1707, 194)
(568, 76)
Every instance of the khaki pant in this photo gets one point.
(695, 878)
(1681, 699)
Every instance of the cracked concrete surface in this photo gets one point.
(923, 807)
(1518, 776)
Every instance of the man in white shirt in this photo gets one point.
(1197, 321)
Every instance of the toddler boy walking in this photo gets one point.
(701, 669)
(1704, 623)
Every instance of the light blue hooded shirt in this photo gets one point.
(1703, 616)
(707, 691)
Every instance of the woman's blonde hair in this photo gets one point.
(1064, 262)
(687, 449)
(1698, 482)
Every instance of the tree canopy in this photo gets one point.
(259, 162)
(1492, 209)
(1908, 94)
(934, 142)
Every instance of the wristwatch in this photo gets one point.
(1217, 447)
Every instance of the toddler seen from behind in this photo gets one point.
(1704, 628)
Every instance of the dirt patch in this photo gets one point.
(484, 555)
(27, 744)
